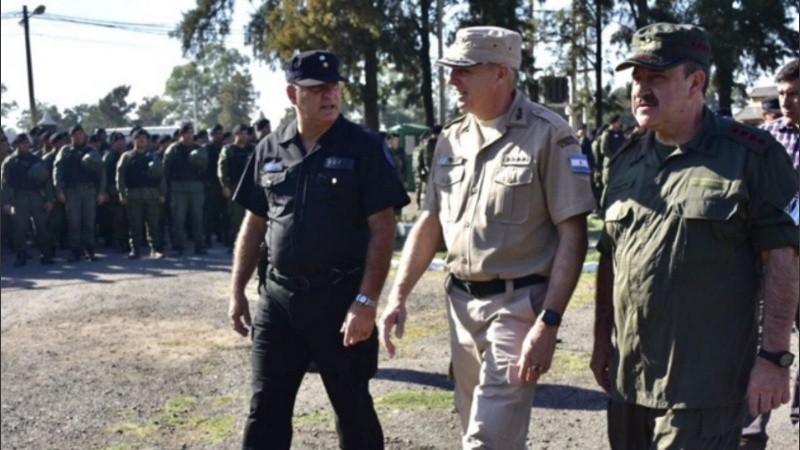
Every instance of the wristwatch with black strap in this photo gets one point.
(550, 317)
(783, 359)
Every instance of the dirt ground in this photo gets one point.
(138, 355)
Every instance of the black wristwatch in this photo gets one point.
(550, 317)
(782, 359)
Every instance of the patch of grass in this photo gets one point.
(584, 291)
(416, 401)
(179, 405)
(216, 428)
(127, 413)
(426, 324)
(221, 400)
(119, 447)
(569, 362)
(313, 419)
(592, 255)
(136, 430)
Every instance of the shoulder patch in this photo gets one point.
(569, 140)
(750, 137)
(454, 121)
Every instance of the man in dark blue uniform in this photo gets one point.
(321, 191)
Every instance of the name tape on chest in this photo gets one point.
(793, 210)
(579, 164)
(450, 160)
(273, 166)
(340, 163)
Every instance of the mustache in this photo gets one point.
(649, 99)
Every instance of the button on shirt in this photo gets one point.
(500, 187)
(684, 227)
(317, 202)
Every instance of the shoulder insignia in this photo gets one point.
(750, 137)
(627, 145)
(567, 141)
(454, 121)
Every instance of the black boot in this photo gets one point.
(47, 257)
(76, 256)
(20, 261)
(90, 255)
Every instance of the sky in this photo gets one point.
(113, 57)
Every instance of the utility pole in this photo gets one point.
(25, 16)
(440, 69)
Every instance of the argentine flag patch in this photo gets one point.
(793, 210)
(579, 164)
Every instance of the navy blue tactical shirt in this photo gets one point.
(317, 202)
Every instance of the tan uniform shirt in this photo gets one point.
(500, 189)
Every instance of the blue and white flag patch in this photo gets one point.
(579, 164)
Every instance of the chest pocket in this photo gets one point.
(276, 189)
(449, 180)
(335, 184)
(510, 195)
(711, 229)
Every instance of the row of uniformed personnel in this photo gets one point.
(68, 190)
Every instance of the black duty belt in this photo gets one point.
(483, 289)
(296, 283)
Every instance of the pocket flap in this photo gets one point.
(709, 208)
(514, 176)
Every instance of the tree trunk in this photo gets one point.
(425, 61)
(370, 89)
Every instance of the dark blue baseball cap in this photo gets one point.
(312, 68)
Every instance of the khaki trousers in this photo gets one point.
(486, 339)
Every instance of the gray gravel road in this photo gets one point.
(138, 355)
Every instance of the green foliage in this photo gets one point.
(6, 108)
(152, 111)
(427, 400)
(217, 87)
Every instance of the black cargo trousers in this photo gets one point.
(298, 321)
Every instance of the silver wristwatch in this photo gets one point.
(363, 300)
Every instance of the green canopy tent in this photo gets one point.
(410, 134)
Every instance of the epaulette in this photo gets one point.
(751, 137)
(454, 121)
(627, 145)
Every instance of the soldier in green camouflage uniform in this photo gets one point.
(80, 184)
(27, 194)
(184, 178)
(232, 162)
(142, 190)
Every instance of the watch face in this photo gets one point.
(787, 359)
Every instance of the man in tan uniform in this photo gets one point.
(508, 191)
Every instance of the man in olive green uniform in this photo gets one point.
(423, 157)
(57, 219)
(509, 193)
(142, 190)
(214, 206)
(27, 194)
(232, 162)
(111, 216)
(700, 213)
(184, 176)
(610, 142)
(80, 184)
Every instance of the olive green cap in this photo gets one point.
(661, 46)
